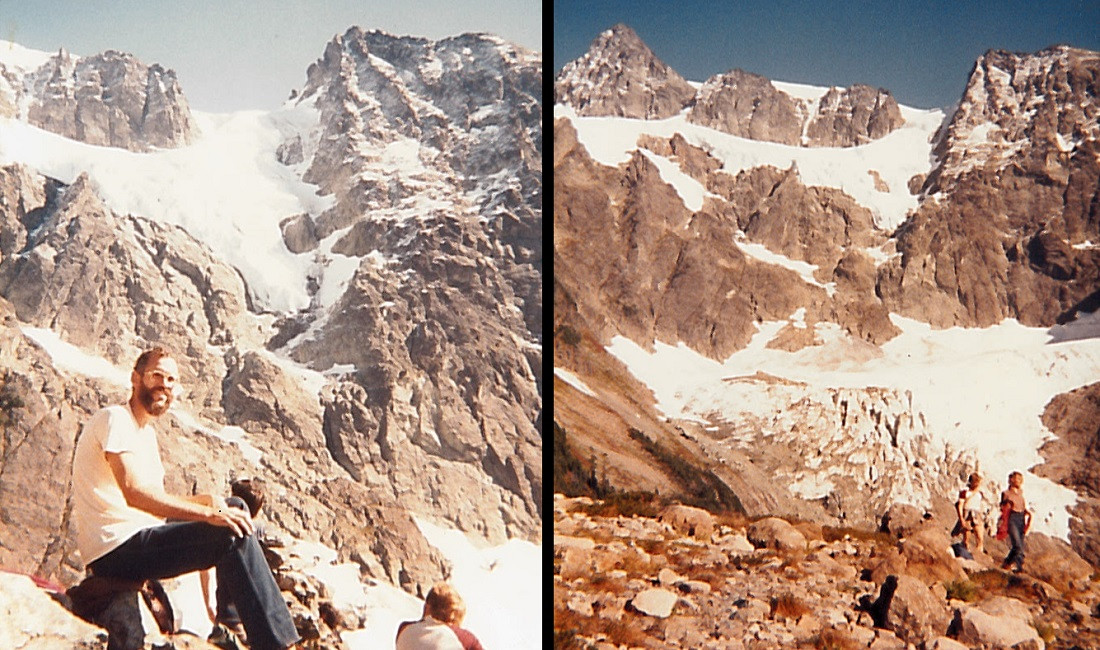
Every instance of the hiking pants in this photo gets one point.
(1016, 536)
(182, 547)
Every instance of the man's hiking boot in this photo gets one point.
(223, 638)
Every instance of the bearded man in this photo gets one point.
(120, 508)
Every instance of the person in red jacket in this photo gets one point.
(439, 627)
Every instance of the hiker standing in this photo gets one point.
(969, 508)
(120, 508)
(1018, 518)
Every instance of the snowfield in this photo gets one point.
(980, 389)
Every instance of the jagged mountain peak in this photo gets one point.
(1016, 104)
(108, 99)
(620, 76)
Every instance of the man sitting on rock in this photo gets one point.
(120, 508)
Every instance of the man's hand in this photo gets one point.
(223, 515)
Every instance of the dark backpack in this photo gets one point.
(94, 594)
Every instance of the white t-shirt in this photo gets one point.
(428, 634)
(972, 503)
(101, 517)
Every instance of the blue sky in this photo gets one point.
(921, 51)
(248, 54)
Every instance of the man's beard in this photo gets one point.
(147, 396)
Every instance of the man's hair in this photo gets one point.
(251, 491)
(975, 477)
(444, 604)
(149, 358)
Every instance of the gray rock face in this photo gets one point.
(620, 76)
(853, 116)
(442, 318)
(114, 285)
(748, 105)
(1016, 189)
(110, 99)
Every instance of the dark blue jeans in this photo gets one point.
(181, 547)
(1016, 535)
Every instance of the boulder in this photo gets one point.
(737, 544)
(688, 520)
(901, 519)
(945, 643)
(928, 556)
(1054, 561)
(32, 619)
(656, 602)
(981, 630)
(562, 542)
(1005, 606)
(915, 614)
(777, 534)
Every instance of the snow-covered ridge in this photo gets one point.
(18, 58)
(227, 190)
(896, 158)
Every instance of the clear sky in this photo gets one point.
(248, 54)
(921, 51)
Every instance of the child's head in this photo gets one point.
(444, 604)
(251, 491)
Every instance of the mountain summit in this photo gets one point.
(110, 99)
(620, 76)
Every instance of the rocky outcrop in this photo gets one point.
(853, 116)
(148, 284)
(1009, 233)
(670, 254)
(116, 285)
(110, 99)
(442, 319)
(620, 76)
(1072, 458)
(748, 105)
(43, 621)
